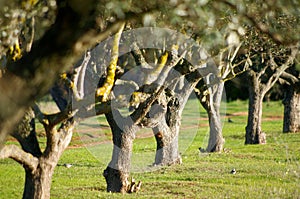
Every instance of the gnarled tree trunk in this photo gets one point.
(254, 134)
(39, 166)
(167, 131)
(166, 134)
(291, 103)
(38, 182)
(117, 172)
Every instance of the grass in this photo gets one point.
(263, 171)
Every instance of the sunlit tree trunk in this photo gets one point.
(259, 84)
(117, 172)
(38, 182)
(166, 134)
(167, 131)
(216, 140)
(211, 103)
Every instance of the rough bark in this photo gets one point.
(259, 84)
(254, 134)
(291, 103)
(216, 140)
(166, 134)
(123, 131)
(117, 172)
(167, 130)
(38, 182)
(209, 93)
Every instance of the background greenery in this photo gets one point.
(263, 171)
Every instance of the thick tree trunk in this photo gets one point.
(117, 172)
(254, 134)
(38, 183)
(166, 133)
(291, 122)
(216, 140)
(167, 145)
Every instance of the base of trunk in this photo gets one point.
(167, 147)
(38, 184)
(117, 181)
(256, 138)
(215, 145)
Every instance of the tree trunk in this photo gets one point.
(38, 183)
(38, 180)
(211, 102)
(254, 134)
(167, 145)
(291, 103)
(167, 131)
(216, 140)
(117, 172)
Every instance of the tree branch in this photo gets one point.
(105, 90)
(289, 78)
(258, 24)
(280, 69)
(144, 107)
(139, 58)
(52, 120)
(20, 156)
(73, 32)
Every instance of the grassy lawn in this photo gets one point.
(263, 171)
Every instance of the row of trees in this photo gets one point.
(151, 73)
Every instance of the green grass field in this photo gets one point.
(263, 171)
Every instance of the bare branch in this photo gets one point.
(40, 115)
(50, 120)
(66, 40)
(78, 88)
(105, 90)
(263, 70)
(133, 85)
(139, 58)
(288, 77)
(280, 69)
(165, 71)
(138, 115)
(20, 156)
(32, 27)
